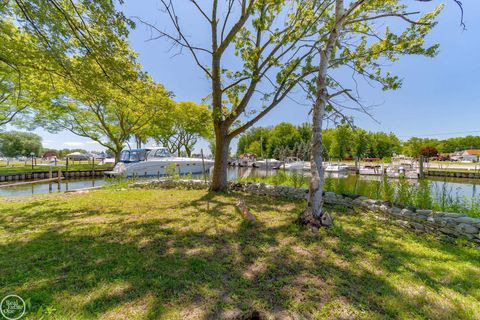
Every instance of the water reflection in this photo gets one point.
(49, 187)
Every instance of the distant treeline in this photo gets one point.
(17, 143)
(286, 139)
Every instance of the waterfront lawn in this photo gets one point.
(26, 167)
(178, 254)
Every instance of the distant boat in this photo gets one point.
(295, 164)
(233, 162)
(267, 163)
(403, 170)
(155, 162)
(246, 160)
(336, 168)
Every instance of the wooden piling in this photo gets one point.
(421, 167)
(203, 164)
(50, 176)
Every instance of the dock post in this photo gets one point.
(421, 167)
(66, 169)
(50, 175)
(203, 164)
(59, 177)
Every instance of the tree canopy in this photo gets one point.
(77, 71)
(187, 123)
(16, 143)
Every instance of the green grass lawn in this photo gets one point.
(178, 254)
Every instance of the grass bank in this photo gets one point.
(20, 167)
(177, 254)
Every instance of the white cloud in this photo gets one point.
(92, 142)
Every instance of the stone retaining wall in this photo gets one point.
(447, 225)
(454, 174)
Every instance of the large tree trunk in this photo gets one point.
(117, 150)
(222, 144)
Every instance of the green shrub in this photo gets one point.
(388, 190)
(171, 171)
(424, 195)
(404, 192)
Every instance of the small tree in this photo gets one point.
(360, 143)
(429, 152)
(353, 35)
(342, 142)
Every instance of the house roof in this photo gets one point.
(473, 152)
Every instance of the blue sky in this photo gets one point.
(439, 98)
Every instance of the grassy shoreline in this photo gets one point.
(45, 168)
(178, 254)
(399, 191)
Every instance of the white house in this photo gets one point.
(470, 155)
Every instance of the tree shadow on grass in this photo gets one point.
(210, 263)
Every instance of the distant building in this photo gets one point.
(456, 156)
(470, 155)
(50, 154)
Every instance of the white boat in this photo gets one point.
(293, 163)
(268, 163)
(156, 162)
(246, 160)
(405, 171)
(372, 170)
(336, 168)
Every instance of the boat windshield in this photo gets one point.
(159, 153)
(133, 155)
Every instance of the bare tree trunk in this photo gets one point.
(138, 141)
(222, 144)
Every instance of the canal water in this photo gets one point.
(459, 188)
(39, 188)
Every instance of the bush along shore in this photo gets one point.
(447, 226)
